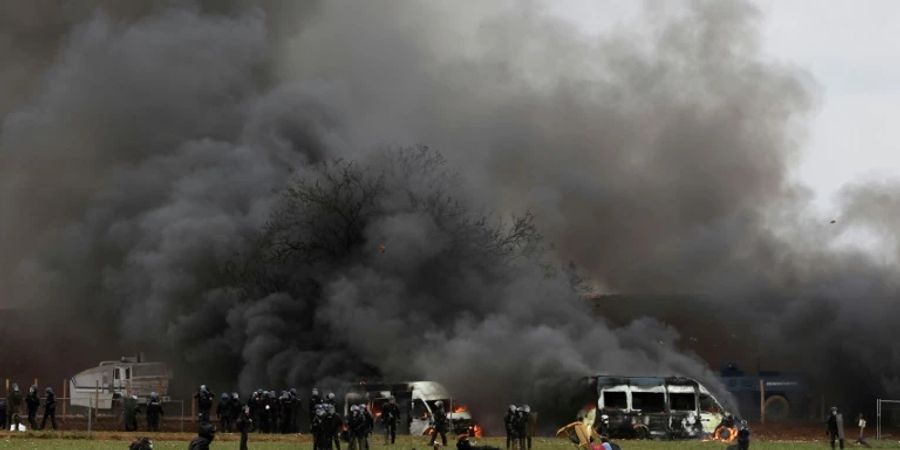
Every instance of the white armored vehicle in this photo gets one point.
(100, 387)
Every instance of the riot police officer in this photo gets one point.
(390, 415)
(223, 412)
(204, 399)
(440, 423)
(13, 404)
(154, 412)
(509, 422)
(49, 408)
(32, 402)
(130, 412)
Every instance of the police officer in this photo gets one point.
(333, 426)
(130, 412)
(529, 425)
(835, 427)
(440, 423)
(509, 422)
(255, 404)
(390, 415)
(317, 428)
(520, 425)
(314, 400)
(285, 410)
(32, 402)
(154, 412)
(369, 421)
(244, 424)
(296, 407)
(13, 404)
(273, 408)
(49, 408)
(223, 412)
(204, 399)
(235, 409)
(356, 428)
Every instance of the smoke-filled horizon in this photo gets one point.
(146, 148)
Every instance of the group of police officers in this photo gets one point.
(32, 402)
(519, 427)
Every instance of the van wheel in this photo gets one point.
(777, 408)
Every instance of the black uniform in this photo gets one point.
(357, 430)
(129, 413)
(314, 400)
(296, 407)
(509, 421)
(49, 409)
(390, 415)
(441, 425)
(285, 413)
(833, 433)
(223, 412)
(244, 424)
(205, 436)
(254, 403)
(333, 425)
(520, 426)
(13, 405)
(154, 413)
(317, 428)
(32, 402)
(204, 399)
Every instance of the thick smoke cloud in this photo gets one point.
(145, 148)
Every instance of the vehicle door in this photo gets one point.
(420, 416)
(710, 412)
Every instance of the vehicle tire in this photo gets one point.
(777, 408)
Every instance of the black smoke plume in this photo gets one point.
(171, 173)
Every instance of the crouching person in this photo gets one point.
(205, 436)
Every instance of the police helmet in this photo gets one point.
(438, 403)
(154, 395)
(330, 408)
(330, 396)
(527, 408)
(235, 396)
(15, 387)
(354, 408)
(49, 390)
(512, 408)
(224, 396)
(315, 391)
(293, 391)
(203, 387)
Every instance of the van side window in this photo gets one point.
(420, 411)
(128, 373)
(117, 374)
(648, 402)
(615, 400)
(682, 402)
(708, 404)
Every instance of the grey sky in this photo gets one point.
(851, 51)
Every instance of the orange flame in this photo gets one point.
(460, 409)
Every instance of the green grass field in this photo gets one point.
(119, 441)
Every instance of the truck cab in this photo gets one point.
(102, 386)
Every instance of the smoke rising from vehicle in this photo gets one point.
(146, 152)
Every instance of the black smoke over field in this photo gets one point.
(167, 172)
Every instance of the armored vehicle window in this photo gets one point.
(615, 400)
(682, 402)
(117, 374)
(127, 373)
(648, 401)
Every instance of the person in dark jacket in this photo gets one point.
(129, 412)
(32, 402)
(205, 435)
(223, 412)
(463, 443)
(13, 404)
(296, 407)
(49, 408)
(204, 399)
(333, 426)
(509, 421)
(834, 427)
(390, 416)
(154, 412)
(285, 410)
(314, 400)
(141, 444)
(440, 423)
(244, 424)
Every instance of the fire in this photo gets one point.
(477, 431)
(460, 409)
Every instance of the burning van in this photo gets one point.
(652, 407)
(416, 400)
(102, 386)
